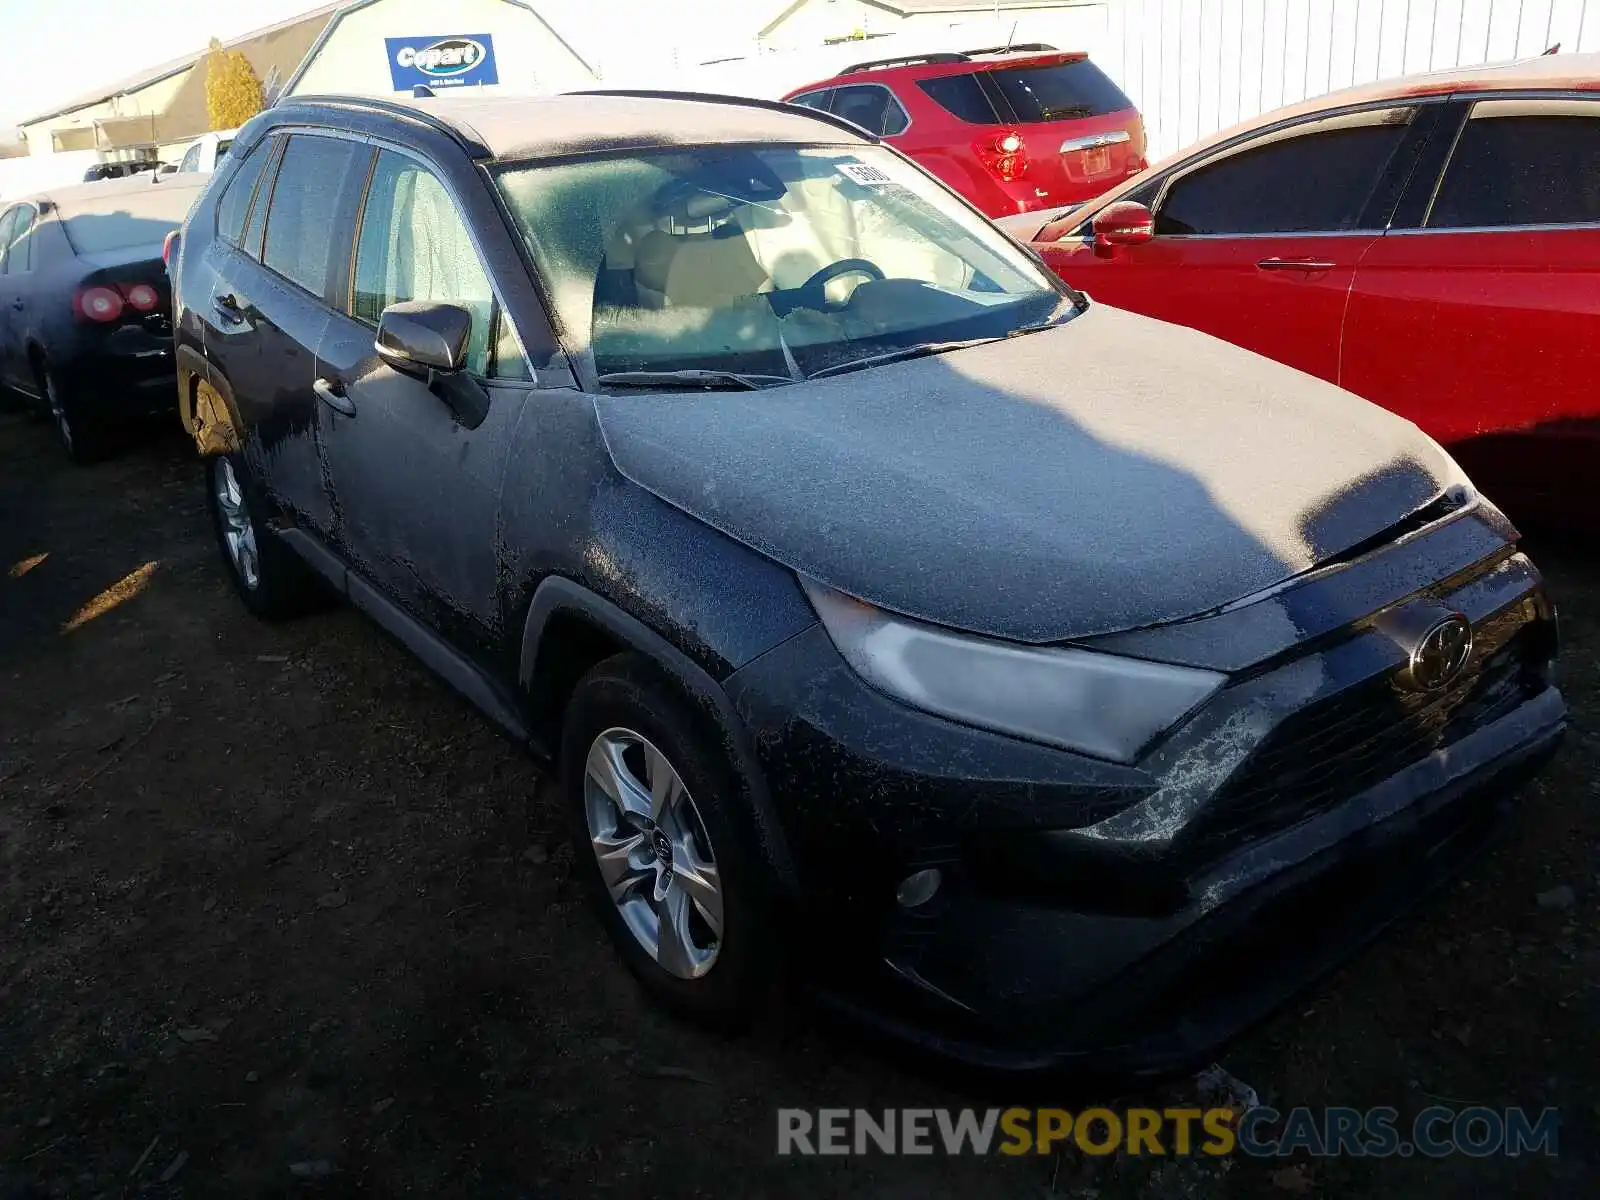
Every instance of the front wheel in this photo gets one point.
(662, 846)
(270, 579)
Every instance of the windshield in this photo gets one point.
(775, 261)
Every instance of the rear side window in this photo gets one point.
(962, 97)
(19, 258)
(1313, 178)
(299, 242)
(1523, 162)
(234, 206)
(8, 228)
(1063, 91)
(871, 106)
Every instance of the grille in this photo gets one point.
(1339, 747)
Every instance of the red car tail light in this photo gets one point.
(169, 248)
(1004, 155)
(100, 304)
(143, 297)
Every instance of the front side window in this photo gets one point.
(1523, 162)
(779, 260)
(234, 206)
(414, 246)
(1318, 177)
(871, 106)
(299, 240)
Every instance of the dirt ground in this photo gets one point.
(282, 914)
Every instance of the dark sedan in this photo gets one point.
(86, 307)
(1044, 683)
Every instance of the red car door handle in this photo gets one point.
(1295, 264)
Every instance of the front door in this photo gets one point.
(1258, 243)
(416, 470)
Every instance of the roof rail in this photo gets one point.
(462, 135)
(942, 58)
(777, 106)
(907, 60)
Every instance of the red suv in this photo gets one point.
(1011, 129)
(1429, 243)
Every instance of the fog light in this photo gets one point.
(918, 888)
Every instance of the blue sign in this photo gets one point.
(459, 60)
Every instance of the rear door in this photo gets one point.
(272, 311)
(416, 468)
(1482, 322)
(1257, 243)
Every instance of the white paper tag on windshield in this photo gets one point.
(863, 174)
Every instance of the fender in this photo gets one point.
(558, 594)
(211, 418)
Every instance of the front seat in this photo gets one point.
(697, 270)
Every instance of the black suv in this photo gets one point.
(1046, 684)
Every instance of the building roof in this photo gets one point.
(166, 70)
(547, 126)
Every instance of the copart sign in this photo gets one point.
(454, 60)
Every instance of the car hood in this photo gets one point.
(1112, 473)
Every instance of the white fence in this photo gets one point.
(1196, 66)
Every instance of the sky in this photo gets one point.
(108, 40)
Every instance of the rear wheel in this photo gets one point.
(82, 442)
(269, 577)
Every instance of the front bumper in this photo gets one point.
(1130, 919)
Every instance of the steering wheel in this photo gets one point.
(813, 293)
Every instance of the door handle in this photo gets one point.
(19, 304)
(331, 392)
(228, 307)
(1295, 264)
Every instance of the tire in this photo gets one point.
(721, 975)
(271, 580)
(83, 442)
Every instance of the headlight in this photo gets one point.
(1098, 704)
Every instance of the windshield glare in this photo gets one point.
(775, 260)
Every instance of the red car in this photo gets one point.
(1012, 129)
(1431, 243)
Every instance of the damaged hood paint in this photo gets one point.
(1112, 473)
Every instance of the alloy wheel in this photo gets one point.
(58, 414)
(238, 531)
(654, 855)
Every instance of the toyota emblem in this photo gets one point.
(1441, 653)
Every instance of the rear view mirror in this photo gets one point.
(1125, 223)
(421, 337)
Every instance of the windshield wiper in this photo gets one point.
(905, 352)
(717, 380)
(927, 348)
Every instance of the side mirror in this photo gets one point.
(424, 338)
(1125, 223)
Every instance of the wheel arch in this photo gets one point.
(569, 628)
(206, 405)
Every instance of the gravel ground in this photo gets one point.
(282, 914)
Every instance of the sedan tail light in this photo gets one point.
(102, 305)
(143, 297)
(1004, 155)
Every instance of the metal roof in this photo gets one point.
(548, 126)
(175, 66)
